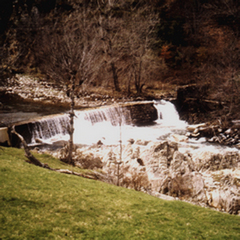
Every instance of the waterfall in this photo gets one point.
(167, 114)
(50, 127)
(100, 124)
(95, 122)
(114, 115)
(105, 124)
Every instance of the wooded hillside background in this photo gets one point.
(125, 45)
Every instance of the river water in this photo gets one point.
(110, 125)
(110, 132)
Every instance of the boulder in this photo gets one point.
(214, 199)
(207, 160)
(234, 206)
(201, 177)
(157, 157)
(224, 133)
(179, 138)
(224, 200)
(188, 186)
(181, 164)
(192, 104)
(142, 114)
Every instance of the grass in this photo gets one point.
(36, 203)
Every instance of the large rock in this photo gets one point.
(182, 181)
(234, 206)
(181, 164)
(157, 157)
(222, 190)
(209, 160)
(143, 113)
(224, 133)
(189, 186)
(191, 105)
(224, 200)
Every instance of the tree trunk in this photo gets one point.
(71, 127)
(137, 84)
(138, 79)
(129, 84)
(28, 154)
(36, 162)
(115, 78)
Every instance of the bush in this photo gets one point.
(85, 161)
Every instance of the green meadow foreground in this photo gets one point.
(37, 203)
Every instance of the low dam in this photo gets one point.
(55, 127)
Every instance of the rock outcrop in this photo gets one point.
(143, 113)
(205, 178)
(227, 133)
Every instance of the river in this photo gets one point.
(110, 125)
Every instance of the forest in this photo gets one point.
(128, 47)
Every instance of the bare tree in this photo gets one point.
(69, 55)
(128, 35)
(140, 31)
(111, 34)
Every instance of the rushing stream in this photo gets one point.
(109, 125)
(112, 124)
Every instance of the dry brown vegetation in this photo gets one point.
(126, 48)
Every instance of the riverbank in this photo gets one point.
(195, 104)
(27, 97)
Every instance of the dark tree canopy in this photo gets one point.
(135, 42)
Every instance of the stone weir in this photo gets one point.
(38, 129)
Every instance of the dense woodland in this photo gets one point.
(126, 46)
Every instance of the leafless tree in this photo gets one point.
(128, 37)
(111, 27)
(69, 55)
(140, 40)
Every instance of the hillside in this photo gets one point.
(40, 204)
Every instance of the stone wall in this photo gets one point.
(4, 138)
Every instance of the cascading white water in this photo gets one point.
(50, 129)
(168, 114)
(107, 123)
(101, 124)
(90, 126)
(113, 115)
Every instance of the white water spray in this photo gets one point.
(102, 124)
(167, 114)
(50, 129)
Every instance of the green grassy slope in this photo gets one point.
(36, 203)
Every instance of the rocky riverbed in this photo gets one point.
(27, 97)
(209, 178)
